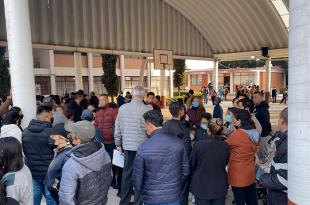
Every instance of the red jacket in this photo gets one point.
(104, 120)
(241, 166)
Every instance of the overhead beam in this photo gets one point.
(274, 53)
(102, 51)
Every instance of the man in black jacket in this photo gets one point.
(263, 116)
(175, 127)
(276, 180)
(161, 164)
(37, 152)
(76, 107)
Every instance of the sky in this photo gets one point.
(199, 65)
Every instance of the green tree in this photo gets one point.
(242, 64)
(109, 77)
(179, 74)
(5, 83)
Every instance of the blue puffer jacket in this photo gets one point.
(160, 167)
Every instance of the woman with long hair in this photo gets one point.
(16, 179)
(243, 143)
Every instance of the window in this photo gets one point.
(132, 82)
(43, 85)
(196, 80)
(85, 84)
(98, 86)
(65, 84)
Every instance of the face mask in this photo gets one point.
(228, 118)
(195, 104)
(204, 126)
(51, 143)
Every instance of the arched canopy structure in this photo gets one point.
(196, 28)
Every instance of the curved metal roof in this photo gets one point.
(197, 28)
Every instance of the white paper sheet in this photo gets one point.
(118, 158)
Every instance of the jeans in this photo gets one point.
(127, 186)
(199, 201)
(245, 195)
(166, 203)
(39, 188)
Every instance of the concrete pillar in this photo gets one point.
(268, 79)
(20, 57)
(257, 78)
(171, 82)
(231, 83)
(216, 75)
(78, 71)
(149, 66)
(268, 75)
(163, 86)
(189, 81)
(90, 70)
(52, 72)
(122, 71)
(299, 110)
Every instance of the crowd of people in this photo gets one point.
(65, 153)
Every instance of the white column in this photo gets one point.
(149, 76)
(171, 82)
(122, 71)
(268, 75)
(231, 82)
(162, 82)
(216, 75)
(20, 57)
(163, 86)
(78, 71)
(189, 80)
(90, 70)
(299, 110)
(52, 72)
(257, 78)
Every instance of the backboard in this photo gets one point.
(163, 59)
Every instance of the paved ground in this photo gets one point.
(274, 113)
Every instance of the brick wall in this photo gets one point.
(277, 80)
(62, 60)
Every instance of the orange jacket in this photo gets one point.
(241, 166)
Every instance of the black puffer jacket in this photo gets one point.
(35, 146)
(263, 116)
(86, 176)
(160, 168)
(178, 129)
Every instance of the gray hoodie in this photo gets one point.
(253, 134)
(86, 176)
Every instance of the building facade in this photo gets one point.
(231, 78)
(60, 72)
